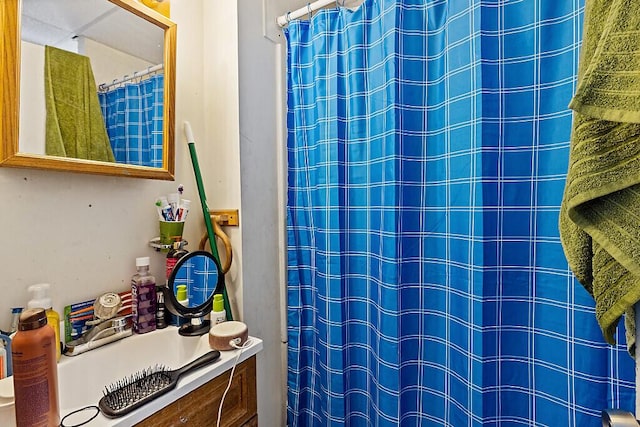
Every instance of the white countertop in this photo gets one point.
(82, 378)
(186, 384)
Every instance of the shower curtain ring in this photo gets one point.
(309, 11)
(288, 17)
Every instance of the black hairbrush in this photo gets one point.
(131, 393)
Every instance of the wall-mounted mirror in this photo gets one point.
(87, 86)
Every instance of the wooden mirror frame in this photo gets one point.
(10, 102)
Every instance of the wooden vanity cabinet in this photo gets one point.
(200, 407)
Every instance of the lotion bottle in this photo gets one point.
(218, 314)
(176, 252)
(3, 361)
(183, 299)
(35, 373)
(41, 299)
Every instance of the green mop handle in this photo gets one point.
(205, 210)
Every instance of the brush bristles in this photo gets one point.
(129, 391)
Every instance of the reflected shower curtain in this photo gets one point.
(133, 117)
(427, 152)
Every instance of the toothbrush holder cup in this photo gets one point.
(169, 231)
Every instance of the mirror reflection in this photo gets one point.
(69, 48)
(17, 148)
(194, 280)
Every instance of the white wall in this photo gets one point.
(220, 103)
(32, 105)
(109, 64)
(82, 233)
(261, 128)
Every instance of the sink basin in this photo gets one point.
(82, 378)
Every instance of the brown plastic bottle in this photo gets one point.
(35, 371)
(176, 252)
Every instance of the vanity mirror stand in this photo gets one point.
(189, 291)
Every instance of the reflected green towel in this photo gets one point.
(74, 123)
(600, 213)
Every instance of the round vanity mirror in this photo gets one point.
(189, 291)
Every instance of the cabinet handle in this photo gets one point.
(183, 419)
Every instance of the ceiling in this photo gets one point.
(55, 22)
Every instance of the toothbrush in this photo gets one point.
(180, 202)
(159, 209)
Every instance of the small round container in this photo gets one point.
(221, 335)
(7, 405)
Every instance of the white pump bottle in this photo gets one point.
(40, 299)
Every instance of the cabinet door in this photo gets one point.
(253, 422)
(200, 407)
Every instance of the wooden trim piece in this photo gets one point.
(10, 102)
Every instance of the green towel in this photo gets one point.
(74, 123)
(600, 213)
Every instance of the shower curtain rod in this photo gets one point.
(305, 10)
(105, 86)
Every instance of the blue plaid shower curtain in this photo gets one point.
(427, 151)
(133, 117)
